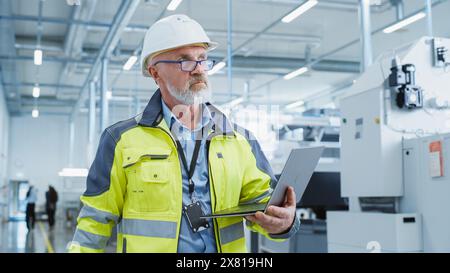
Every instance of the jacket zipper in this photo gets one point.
(176, 151)
(212, 183)
(216, 225)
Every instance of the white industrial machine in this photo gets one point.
(395, 154)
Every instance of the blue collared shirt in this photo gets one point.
(202, 241)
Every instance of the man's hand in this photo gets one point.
(277, 220)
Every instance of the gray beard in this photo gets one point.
(189, 97)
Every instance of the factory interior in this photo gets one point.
(367, 80)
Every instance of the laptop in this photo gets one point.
(296, 173)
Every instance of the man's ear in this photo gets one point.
(154, 73)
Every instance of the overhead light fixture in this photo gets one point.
(74, 172)
(36, 91)
(295, 73)
(299, 11)
(38, 57)
(108, 94)
(295, 104)
(173, 5)
(216, 68)
(129, 64)
(404, 22)
(35, 113)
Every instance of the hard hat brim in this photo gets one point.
(209, 47)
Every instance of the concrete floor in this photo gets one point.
(15, 238)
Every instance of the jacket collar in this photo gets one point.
(153, 115)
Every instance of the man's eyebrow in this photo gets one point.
(184, 56)
(189, 57)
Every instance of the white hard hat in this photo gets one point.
(172, 32)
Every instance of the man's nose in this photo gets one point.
(198, 69)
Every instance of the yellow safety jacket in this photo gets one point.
(135, 182)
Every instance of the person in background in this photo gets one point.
(31, 203)
(51, 197)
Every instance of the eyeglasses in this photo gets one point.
(189, 66)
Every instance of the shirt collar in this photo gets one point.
(170, 118)
(153, 115)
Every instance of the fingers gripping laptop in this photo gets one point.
(296, 173)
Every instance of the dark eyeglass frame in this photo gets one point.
(203, 63)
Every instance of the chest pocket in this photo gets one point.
(149, 179)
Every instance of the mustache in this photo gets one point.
(200, 78)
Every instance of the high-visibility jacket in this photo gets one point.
(135, 182)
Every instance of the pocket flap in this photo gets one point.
(154, 171)
(132, 155)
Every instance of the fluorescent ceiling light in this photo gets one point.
(173, 5)
(129, 64)
(216, 68)
(35, 113)
(38, 57)
(73, 172)
(299, 11)
(295, 104)
(36, 92)
(404, 22)
(295, 73)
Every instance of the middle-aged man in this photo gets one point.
(154, 174)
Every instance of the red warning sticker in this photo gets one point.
(436, 160)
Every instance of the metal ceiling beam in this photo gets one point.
(332, 52)
(399, 8)
(429, 11)
(260, 64)
(73, 42)
(337, 5)
(126, 7)
(24, 113)
(45, 102)
(217, 33)
(54, 20)
(39, 25)
(47, 40)
(46, 59)
(104, 103)
(365, 34)
(256, 36)
(42, 85)
(229, 47)
(290, 63)
(91, 122)
(64, 86)
(323, 4)
(326, 4)
(91, 26)
(33, 47)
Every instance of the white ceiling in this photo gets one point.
(333, 28)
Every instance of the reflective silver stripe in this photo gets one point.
(90, 240)
(149, 228)
(231, 233)
(258, 198)
(98, 215)
(138, 117)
